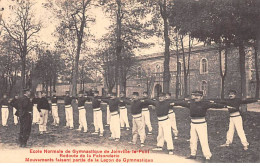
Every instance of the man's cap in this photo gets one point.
(197, 93)
(136, 93)
(232, 91)
(162, 94)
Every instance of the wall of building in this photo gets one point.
(154, 64)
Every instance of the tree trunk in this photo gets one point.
(256, 74)
(118, 45)
(76, 71)
(83, 85)
(242, 61)
(124, 86)
(222, 74)
(23, 61)
(166, 71)
(184, 68)
(54, 83)
(50, 88)
(178, 70)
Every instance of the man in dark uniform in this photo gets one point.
(14, 104)
(113, 103)
(55, 109)
(198, 109)
(5, 110)
(82, 112)
(97, 115)
(123, 112)
(138, 124)
(25, 108)
(172, 118)
(68, 110)
(146, 113)
(108, 111)
(43, 108)
(36, 115)
(164, 126)
(235, 121)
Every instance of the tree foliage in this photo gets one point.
(22, 29)
(224, 22)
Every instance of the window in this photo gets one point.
(204, 87)
(203, 66)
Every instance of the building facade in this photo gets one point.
(204, 73)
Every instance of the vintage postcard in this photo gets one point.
(129, 81)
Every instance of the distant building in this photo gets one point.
(204, 73)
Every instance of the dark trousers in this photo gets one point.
(25, 128)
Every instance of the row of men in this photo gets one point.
(165, 115)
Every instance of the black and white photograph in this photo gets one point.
(129, 81)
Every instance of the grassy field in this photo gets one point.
(217, 128)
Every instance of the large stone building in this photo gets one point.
(204, 73)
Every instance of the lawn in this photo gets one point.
(217, 128)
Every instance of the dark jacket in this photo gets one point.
(198, 109)
(96, 102)
(54, 99)
(4, 101)
(67, 100)
(113, 104)
(43, 104)
(136, 106)
(146, 103)
(161, 107)
(25, 106)
(122, 102)
(82, 100)
(35, 100)
(14, 103)
(236, 103)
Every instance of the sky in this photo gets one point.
(98, 29)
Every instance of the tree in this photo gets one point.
(10, 67)
(166, 72)
(186, 66)
(75, 18)
(255, 46)
(215, 21)
(47, 68)
(126, 33)
(107, 58)
(177, 85)
(22, 29)
(128, 64)
(160, 11)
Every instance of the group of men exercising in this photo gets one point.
(117, 116)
